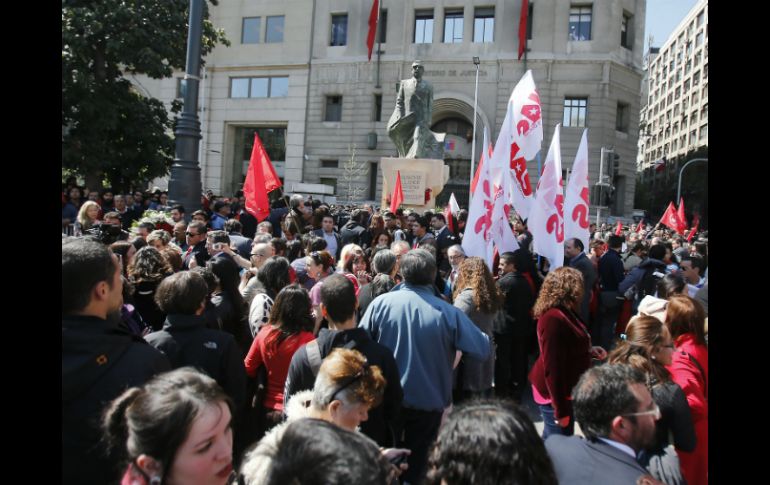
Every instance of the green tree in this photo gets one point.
(109, 130)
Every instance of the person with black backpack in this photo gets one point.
(338, 305)
(645, 277)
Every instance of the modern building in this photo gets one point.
(674, 115)
(297, 73)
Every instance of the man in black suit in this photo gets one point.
(576, 258)
(617, 415)
(333, 240)
(196, 245)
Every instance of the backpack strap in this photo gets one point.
(314, 356)
(702, 373)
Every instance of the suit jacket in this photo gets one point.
(320, 233)
(243, 244)
(199, 252)
(586, 268)
(444, 238)
(579, 461)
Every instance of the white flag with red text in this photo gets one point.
(576, 198)
(546, 220)
(477, 238)
(520, 139)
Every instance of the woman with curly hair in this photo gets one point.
(290, 326)
(477, 295)
(88, 216)
(145, 271)
(565, 349)
(512, 452)
(647, 345)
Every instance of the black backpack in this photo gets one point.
(649, 282)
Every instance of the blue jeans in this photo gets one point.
(550, 427)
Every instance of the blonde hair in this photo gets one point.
(345, 374)
(83, 219)
(347, 252)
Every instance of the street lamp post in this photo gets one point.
(679, 184)
(476, 61)
(184, 186)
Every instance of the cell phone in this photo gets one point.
(399, 459)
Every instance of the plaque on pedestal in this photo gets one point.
(422, 180)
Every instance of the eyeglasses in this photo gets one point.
(254, 255)
(655, 412)
(359, 375)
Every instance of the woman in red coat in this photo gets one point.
(290, 327)
(565, 349)
(689, 368)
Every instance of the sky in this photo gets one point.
(662, 18)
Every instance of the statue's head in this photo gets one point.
(417, 69)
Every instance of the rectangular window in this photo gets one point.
(621, 120)
(250, 32)
(699, 39)
(333, 108)
(704, 112)
(575, 112)
(529, 20)
(273, 139)
(377, 114)
(372, 180)
(330, 163)
(383, 25)
(696, 78)
(339, 34)
(423, 27)
(625, 38)
(259, 87)
(331, 182)
(484, 25)
(580, 23)
(453, 26)
(701, 18)
(704, 132)
(274, 29)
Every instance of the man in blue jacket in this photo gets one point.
(424, 333)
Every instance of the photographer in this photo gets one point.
(106, 232)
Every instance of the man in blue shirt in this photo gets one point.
(219, 217)
(423, 332)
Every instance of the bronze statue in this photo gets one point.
(409, 125)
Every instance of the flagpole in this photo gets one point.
(379, 44)
(679, 184)
(476, 61)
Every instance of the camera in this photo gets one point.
(107, 233)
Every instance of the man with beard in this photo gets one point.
(99, 359)
(617, 416)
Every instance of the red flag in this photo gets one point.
(398, 194)
(260, 179)
(671, 219)
(523, 27)
(374, 17)
(680, 212)
(619, 229)
(640, 227)
(660, 165)
(696, 222)
(451, 208)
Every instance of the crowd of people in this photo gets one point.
(342, 344)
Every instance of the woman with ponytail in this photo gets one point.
(175, 429)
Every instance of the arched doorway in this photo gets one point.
(455, 118)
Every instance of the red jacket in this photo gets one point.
(277, 363)
(565, 353)
(694, 383)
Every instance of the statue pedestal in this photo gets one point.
(417, 176)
